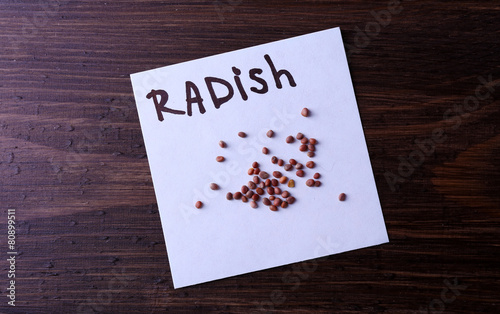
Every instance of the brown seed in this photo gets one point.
(285, 194)
(316, 176)
(259, 191)
(342, 197)
(214, 186)
(229, 196)
(313, 141)
(255, 164)
(284, 204)
(266, 201)
(265, 150)
(288, 167)
(253, 204)
(311, 154)
(263, 175)
(299, 166)
(303, 148)
(244, 189)
(291, 184)
(274, 182)
(289, 139)
(261, 185)
(273, 208)
(256, 197)
(256, 179)
(256, 171)
(311, 147)
(277, 190)
(242, 134)
(222, 144)
(272, 197)
(305, 112)
(249, 194)
(250, 171)
(237, 195)
(270, 133)
(274, 159)
(268, 182)
(293, 162)
(283, 179)
(277, 202)
(310, 182)
(252, 185)
(310, 164)
(198, 204)
(300, 173)
(277, 174)
(304, 140)
(220, 158)
(270, 191)
(317, 183)
(300, 136)
(290, 200)
(281, 162)
(244, 199)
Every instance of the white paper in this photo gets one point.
(227, 238)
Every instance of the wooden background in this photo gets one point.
(73, 163)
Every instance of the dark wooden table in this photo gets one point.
(74, 167)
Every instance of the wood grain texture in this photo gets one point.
(73, 163)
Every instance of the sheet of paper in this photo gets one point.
(186, 109)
